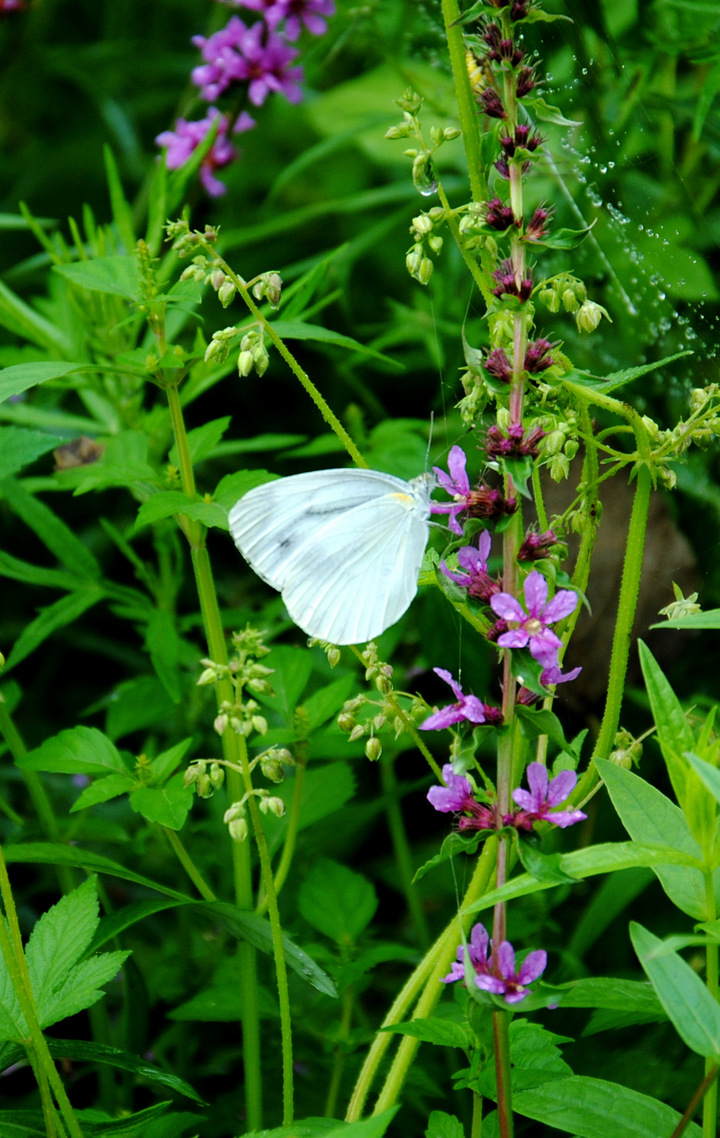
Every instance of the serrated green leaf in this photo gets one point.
(164, 764)
(103, 790)
(613, 995)
(116, 274)
(51, 531)
(82, 988)
(233, 487)
(50, 619)
(693, 1012)
(298, 330)
(12, 1021)
(442, 1032)
(337, 902)
(167, 503)
(79, 750)
(442, 1125)
(323, 704)
(168, 805)
(452, 845)
(618, 378)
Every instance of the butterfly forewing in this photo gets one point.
(344, 546)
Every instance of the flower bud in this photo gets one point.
(421, 225)
(238, 829)
(425, 271)
(272, 769)
(559, 467)
(570, 301)
(334, 656)
(451, 132)
(550, 298)
(345, 721)
(204, 787)
(373, 748)
(379, 721)
(435, 242)
(221, 723)
(226, 292)
(276, 806)
(208, 676)
(245, 364)
(217, 775)
(260, 724)
(589, 316)
(357, 732)
(193, 773)
(383, 685)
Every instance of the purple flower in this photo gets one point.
(497, 975)
(468, 707)
(181, 143)
(542, 798)
(475, 577)
(532, 626)
(295, 13)
(254, 55)
(501, 978)
(477, 951)
(456, 797)
(456, 483)
(551, 674)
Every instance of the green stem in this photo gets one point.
(501, 1037)
(476, 1124)
(12, 952)
(710, 1102)
(401, 848)
(328, 415)
(292, 827)
(466, 103)
(339, 1063)
(434, 966)
(189, 865)
(629, 588)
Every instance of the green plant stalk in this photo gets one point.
(12, 952)
(188, 864)
(292, 828)
(217, 648)
(441, 954)
(339, 1061)
(710, 1101)
(401, 848)
(466, 103)
(629, 588)
(36, 790)
(476, 1123)
(501, 1037)
(327, 413)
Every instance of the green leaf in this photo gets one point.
(102, 790)
(452, 845)
(36, 574)
(28, 324)
(563, 238)
(168, 805)
(19, 446)
(583, 1106)
(297, 330)
(78, 750)
(541, 722)
(442, 1125)
(167, 503)
(648, 816)
(322, 704)
(136, 704)
(543, 866)
(50, 619)
(164, 764)
(708, 774)
(233, 487)
(546, 113)
(694, 1013)
(606, 858)
(674, 733)
(612, 994)
(373, 1127)
(325, 790)
(116, 274)
(62, 983)
(53, 533)
(85, 1052)
(125, 462)
(291, 672)
(443, 1032)
(128, 1126)
(698, 620)
(202, 440)
(337, 902)
(121, 209)
(535, 1057)
(54, 853)
(617, 379)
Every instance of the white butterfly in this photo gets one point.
(344, 547)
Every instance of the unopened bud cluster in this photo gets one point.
(205, 777)
(235, 817)
(567, 292)
(627, 750)
(268, 286)
(253, 354)
(377, 715)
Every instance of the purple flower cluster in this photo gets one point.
(538, 804)
(531, 628)
(497, 973)
(259, 58)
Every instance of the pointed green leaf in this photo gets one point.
(53, 533)
(103, 790)
(202, 440)
(583, 1106)
(79, 750)
(442, 1125)
(694, 1013)
(28, 324)
(698, 621)
(116, 274)
(19, 570)
(50, 619)
(12, 1021)
(336, 901)
(164, 764)
(82, 988)
(673, 730)
(85, 1052)
(19, 446)
(709, 774)
(167, 503)
(168, 805)
(442, 1032)
(121, 209)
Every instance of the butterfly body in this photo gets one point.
(344, 547)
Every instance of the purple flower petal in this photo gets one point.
(536, 591)
(532, 966)
(562, 604)
(507, 607)
(561, 786)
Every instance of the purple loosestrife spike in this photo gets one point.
(467, 709)
(498, 365)
(491, 104)
(525, 82)
(477, 949)
(255, 56)
(537, 357)
(488, 503)
(539, 802)
(501, 978)
(473, 565)
(514, 443)
(537, 227)
(535, 545)
(499, 216)
(456, 483)
(182, 141)
(456, 797)
(532, 627)
(295, 13)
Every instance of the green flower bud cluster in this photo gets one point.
(627, 750)
(566, 291)
(379, 715)
(681, 606)
(185, 240)
(253, 354)
(205, 777)
(268, 286)
(242, 718)
(219, 347)
(561, 443)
